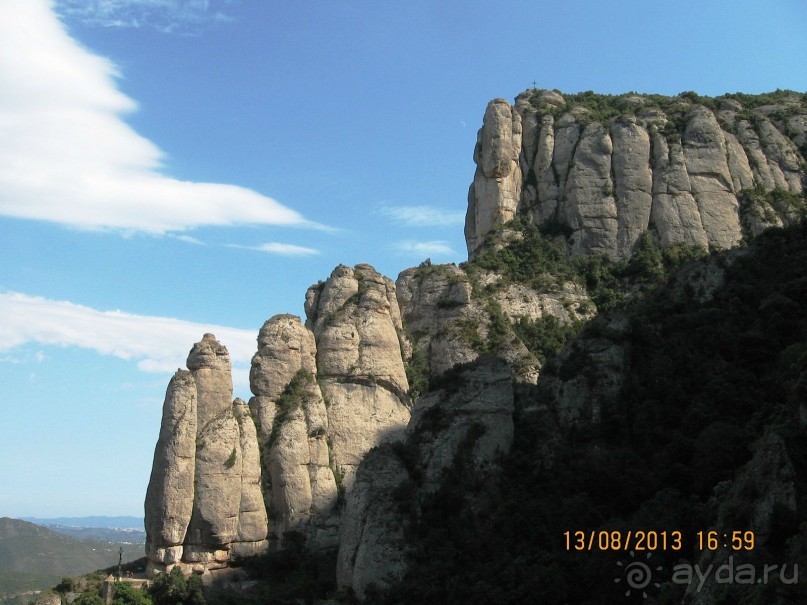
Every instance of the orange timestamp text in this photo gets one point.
(651, 540)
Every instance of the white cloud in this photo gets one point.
(156, 344)
(423, 216)
(167, 16)
(190, 240)
(436, 248)
(281, 249)
(67, 156)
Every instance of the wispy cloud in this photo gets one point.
(278, 248)
(189, 240)
(155, 344)
(432, 248)
(168, 16)
(423, 216)
(67, 156)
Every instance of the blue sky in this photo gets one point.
(171, 167)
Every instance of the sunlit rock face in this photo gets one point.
(204, 501)
(604, 176)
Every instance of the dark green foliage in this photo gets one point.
(230, 462)
(544, 336)
(533, 260)
(337, 473)
(417, 373)
(291, 399)
(769, 205)
(174, 589)
(66, 585)
(498, 328)
(292, 575)
(126, 594)
(542, 264)
(88, 598)
(777, 97)
(704, 381)
(601, 108)
(468, 329)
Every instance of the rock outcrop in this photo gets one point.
(331, 445)
(467, 421)
(603, 170)
(204, 500)
(772, 477)
(356, 322)
(452, 313)
(289, 410)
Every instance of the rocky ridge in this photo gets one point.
(362, 413)
(230, 479)
(599, 170)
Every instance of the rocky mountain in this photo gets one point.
(623, 349)
(326, 392)
(600, 171)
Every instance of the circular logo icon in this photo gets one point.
(637, 575)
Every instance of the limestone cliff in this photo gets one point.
(455, 314)
(204, 500)
(467, 420)
(602, 170)
(528, 378)
(324, 394)
(356, 322)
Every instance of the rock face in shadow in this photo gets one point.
(469, 420)
(603, 173)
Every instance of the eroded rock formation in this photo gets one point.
(468, 421)
(330, 445)
(204, 500)
(604, 174)
(356, 322)
(325, 393)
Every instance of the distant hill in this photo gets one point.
(124, 530)
(34, 557)
(108, 522)
(135, 539)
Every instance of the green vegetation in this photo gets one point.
(704, 381)
(230, 462)
(769, 206)
(291, 399)
(777, 97)
(498, 327)
(126, 594)
(33, 557)
(89, 598)
(174, 589)
(166, 589)
(467, 329)
(543, 265)
(417, 373)
(544, 337)
(520, 253)
(532, 260)
(291, 575)
(337, 473)
(604, 108)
